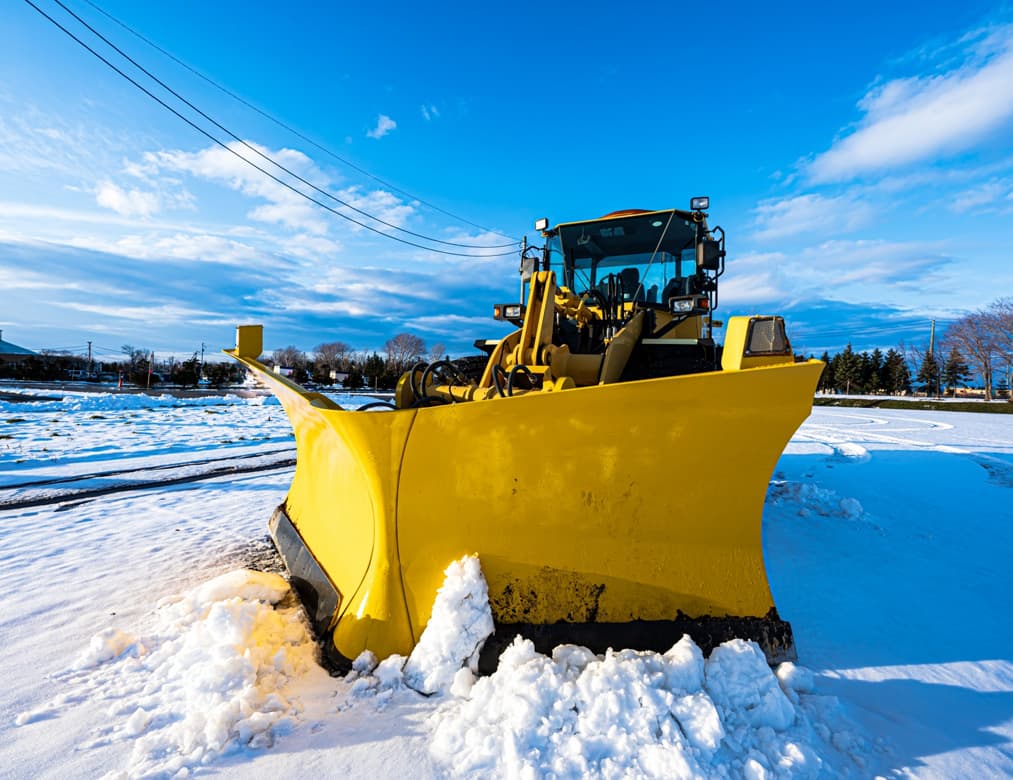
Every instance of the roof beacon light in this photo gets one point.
(700, 204)
(542, 224)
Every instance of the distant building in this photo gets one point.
(12, 353)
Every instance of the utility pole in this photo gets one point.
(90, 369)
(202, 347)
(932, 342)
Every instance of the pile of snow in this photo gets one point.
(625, 714)
(811, 499)
(212, 678)
(644, 714)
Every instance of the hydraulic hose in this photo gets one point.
(513, 373)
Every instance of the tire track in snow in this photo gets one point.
(224, 467)
(118, 472)
(844, 440)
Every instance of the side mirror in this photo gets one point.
(709, 255)
(527, 268)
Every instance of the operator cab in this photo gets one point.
(635, 256)
(664, 263)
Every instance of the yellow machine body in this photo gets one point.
(617, 513)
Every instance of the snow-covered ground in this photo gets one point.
(136, 644)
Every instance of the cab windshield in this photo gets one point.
(650, 253)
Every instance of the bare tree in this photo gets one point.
(333, 354)
(974, 337)
(1000, 320)
(403, 350)
(437, 352)
(290, 357)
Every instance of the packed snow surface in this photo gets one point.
(139, 643)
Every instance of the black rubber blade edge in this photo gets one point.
(310, 582)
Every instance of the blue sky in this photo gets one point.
(859, 156)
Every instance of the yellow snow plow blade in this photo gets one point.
(619, 515)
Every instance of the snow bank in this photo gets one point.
(625, 714)
(97, 402)
(214, 677)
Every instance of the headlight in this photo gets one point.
(511, 312)
(700, 204)
(692, 304)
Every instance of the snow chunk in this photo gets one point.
(243, 584)
(458, 627)
(851, 507)
(389, 672)
(852, 451)
(739, 681)
(795, 678)
(106, 645)
(685, 665)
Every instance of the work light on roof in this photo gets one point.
(542, 224)
(700, 204)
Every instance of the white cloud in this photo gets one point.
(23, 279)
(430, 112)
(860, 271)
(778, 218)
(284, 206)
(757, 279)
(873, 262)
(155, 315)
(983, 195)
(127, 203)
(384, 124)
(379, 203)
(925, 117)
(198, 247)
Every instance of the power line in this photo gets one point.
(252, 164)
(256, 151)
(287, 127)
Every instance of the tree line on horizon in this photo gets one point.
(335, 362)
(977, 346)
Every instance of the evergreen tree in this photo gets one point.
(955, 370)
(354, 380)
(896, 376)
(874, 383)
(187, 373)
(928, 374)
(864, 372)
(372, 369)
(847, 370)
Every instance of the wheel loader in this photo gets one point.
(608, 463)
